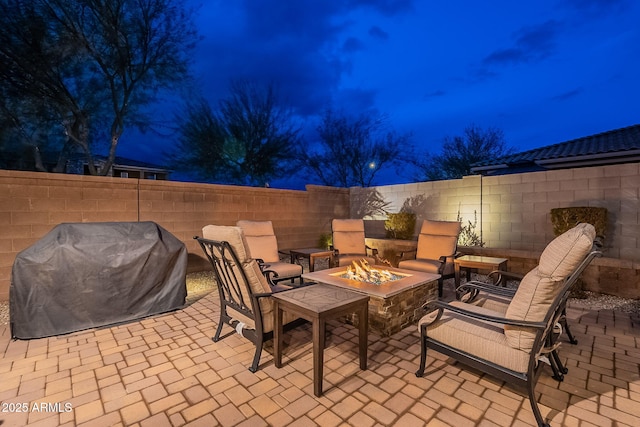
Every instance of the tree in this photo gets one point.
(93, 63)
(200, 146)
(459, 153)
(351, 151)
(249, 140)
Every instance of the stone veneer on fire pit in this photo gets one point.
(393, 305)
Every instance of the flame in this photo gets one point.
(363, 272)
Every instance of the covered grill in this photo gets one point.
(84, 275)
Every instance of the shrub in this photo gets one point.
(400, 225)
(325, 241)
(564, 219)
(468, 235)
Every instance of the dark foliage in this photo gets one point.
(249, 140)
(351, 151)
(75, 73)
(459, 153)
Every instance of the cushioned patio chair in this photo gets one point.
(501, 278)
(497, 299)
(436, 250)
(496, 296)
(348, 242)
(244, 291)
(508, 345)
(263, 247)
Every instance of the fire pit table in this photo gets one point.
(393, 304)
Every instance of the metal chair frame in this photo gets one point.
(544, 338)
(231, 280)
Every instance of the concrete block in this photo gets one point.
(587, 173)
(605, 183)
(546, 186)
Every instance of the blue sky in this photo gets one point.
(544, 72)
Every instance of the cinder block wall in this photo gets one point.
(513, 214)
(31, 204)
(513, 211)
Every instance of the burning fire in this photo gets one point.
(363, 272)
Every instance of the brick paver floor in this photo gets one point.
(166, 371)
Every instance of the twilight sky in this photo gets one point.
(544, 72)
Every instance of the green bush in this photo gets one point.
(400, 225)
(325, 240)
(564, 219)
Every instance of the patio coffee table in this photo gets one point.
(468, 262)
(317, 304)
(393, 305)
(310, 254)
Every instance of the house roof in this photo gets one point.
(123, 162)
(614, 146)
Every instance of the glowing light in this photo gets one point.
(363, 272)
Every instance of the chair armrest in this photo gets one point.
(270, 275)
(441, 306)
(473, 289)
(281, 288)
(443, 264)
(500, 277)
(374, 251)
(402, 253)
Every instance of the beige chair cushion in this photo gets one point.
(437, 238)
(258, 282)
(261, 240)
(262, 244)
(540, 286)
(256, 279)
(491, 302)
(566, 251)
(441, 228)
(225, 233)
(285, 269)
(348, 236)
(482, 339)
(426, 265)
(530, 302)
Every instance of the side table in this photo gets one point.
(311, 254)
(469, 262)
(317, 304)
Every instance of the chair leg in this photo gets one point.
(565, 326)
(561, 368)
(256, 357)
(216, 337)
(534, 405)
(440, 286)
(556, 366)
(423, 351)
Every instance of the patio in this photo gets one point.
(165, 370)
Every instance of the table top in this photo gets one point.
(411, 279)
(310, 251)
(479, 259)
(319, 298)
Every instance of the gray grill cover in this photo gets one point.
(87, 275)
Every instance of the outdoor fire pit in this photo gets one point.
(396, 295)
